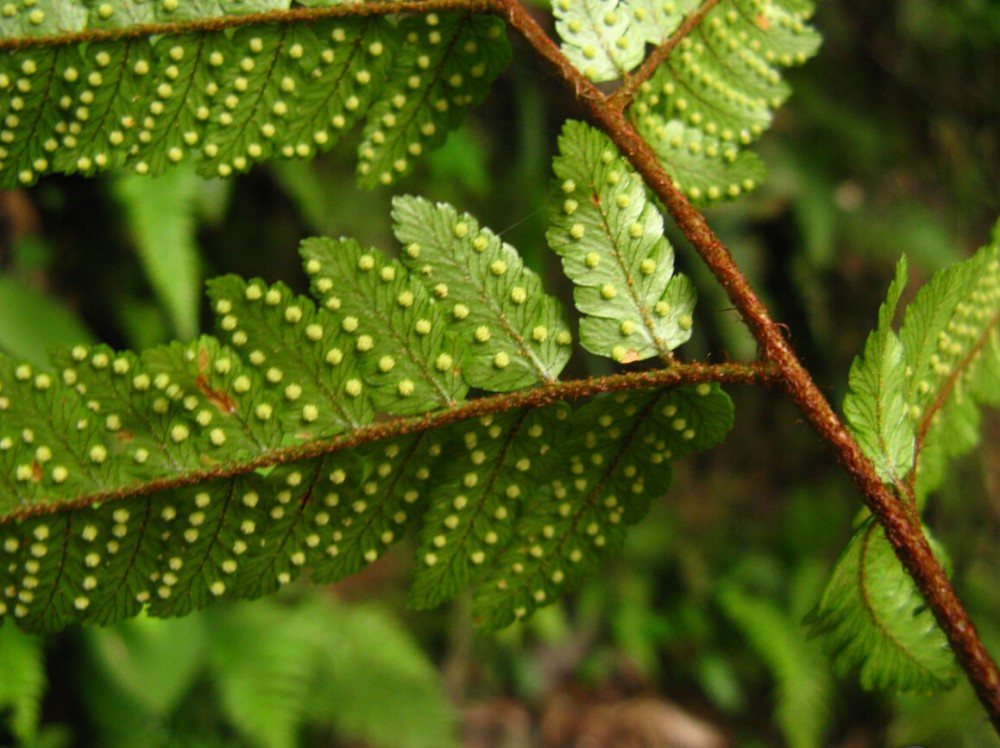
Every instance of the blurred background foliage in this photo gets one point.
(890, 144)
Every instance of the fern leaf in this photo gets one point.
(659, 20)
(873, 619)
(914, 404)
(951, 341)
(263, 658)
(397, 331)
(165, 480)
(491, 295)
(717, 92)
(230, 98)
(705, 167)
(318, 375)
(42, 18)
(600, 37)
(448, 65)
(619, 451)
(612, 246)
(487, 483)
(876, 408)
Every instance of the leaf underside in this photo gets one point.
(717, 92)
(227, 98)
(611, 241)
(302, 439)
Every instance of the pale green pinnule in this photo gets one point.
(611, 241)
(876, 407)
(399, 335)
(515, 334)
(300, 353)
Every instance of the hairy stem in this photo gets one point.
(902, 531)
(675, 376)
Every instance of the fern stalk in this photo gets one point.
(753, 373)
(904, 534)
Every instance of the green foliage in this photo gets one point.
(802, 682)
(874, 620)
(195, 471)
(314, 432)
(446, 66)
(230, 97)
(915, 397)
(618, 453)
(613, 249)
(161, 216)
(914, 403)
(22, 684)
(33, 323)
(265, 672)
(605, 39)
(493, 297)
(952, 343)
(717, 92)
(875, 407)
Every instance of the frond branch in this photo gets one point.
(907, 538)
(674, 376)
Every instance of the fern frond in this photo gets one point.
(717, 92)
(492, 296)
(915, 397)
(914, 403)
(616, 455)
(447, 65)
(951, 338)
(162, 481)
(611, 241)
(876, 408)
(873, 619)
(228, 98)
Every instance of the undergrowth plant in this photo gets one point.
(417, 390)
